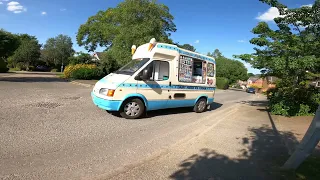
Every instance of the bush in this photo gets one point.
(31, 68)
(288, 100)
(82, 71)
(222, 83)
(3, 66)
(54, 70)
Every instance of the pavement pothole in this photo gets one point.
(47, 105)
(71, 98)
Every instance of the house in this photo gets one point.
(316, 83)
(262, 83)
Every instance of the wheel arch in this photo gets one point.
(201, 96)
(133, 96)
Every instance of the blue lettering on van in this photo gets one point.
(212, 60)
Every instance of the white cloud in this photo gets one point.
(15, 7)
(43, 13)
(269, 15)
(241, 41)
(197, 41)
(247, 65)
(63, 9)
(1, 2)
(307, 5)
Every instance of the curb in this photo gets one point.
(81, 84)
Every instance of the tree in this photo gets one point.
(28, 51)
(57, 50)
(290, 52)
(132, 22)
(8, 44)
(187, 47)
(227, 68)
(250, 74)
(81, 58)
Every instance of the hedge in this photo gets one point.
(3, 66)
(82, 71)
(222, 83)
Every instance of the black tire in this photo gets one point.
(200, 106)
(137, 109)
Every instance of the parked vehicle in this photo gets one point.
(251, 90)
(42, 68)
(159, 76)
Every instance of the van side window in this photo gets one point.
(159, 70)
(210, 70)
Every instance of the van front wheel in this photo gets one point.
(132, 109)
(200, 106)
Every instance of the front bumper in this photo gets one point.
(108, 105)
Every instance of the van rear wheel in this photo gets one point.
(201, 105)
(132, 109)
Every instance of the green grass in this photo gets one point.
(309, 169)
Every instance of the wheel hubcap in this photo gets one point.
(202, 105)
(132, 109)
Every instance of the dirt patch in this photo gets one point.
(298, 126)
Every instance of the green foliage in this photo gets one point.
(54, 70)
(293, 101)
(187, 47)
(3, 66)
(222, 83)
(107, 63)
(81, 58)
(291, 53)
(231, 69)
(83, 71)
(57, 50)
(280, 108)
(250, 74)
(28, 51)
(8, 44)
(132, 22)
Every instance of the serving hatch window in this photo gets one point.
(192, 70)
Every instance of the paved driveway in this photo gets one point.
(50, 129)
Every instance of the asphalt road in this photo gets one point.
(50, 129)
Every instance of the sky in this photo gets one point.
(206, 24)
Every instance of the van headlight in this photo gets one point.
(106, 92)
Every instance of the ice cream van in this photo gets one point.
(159, 76)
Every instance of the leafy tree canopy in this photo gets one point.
(293, 48)
(8, 43)
(132, 22)
(228, 68)
(28, 51)
(57, 50)
(187, 47)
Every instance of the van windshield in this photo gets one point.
(131, 67)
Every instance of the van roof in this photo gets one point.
(185, 52)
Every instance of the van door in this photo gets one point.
(157, 88)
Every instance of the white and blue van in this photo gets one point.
(159, 76)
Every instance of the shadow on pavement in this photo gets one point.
(262, 156)
(32, 79)
(163, 112)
